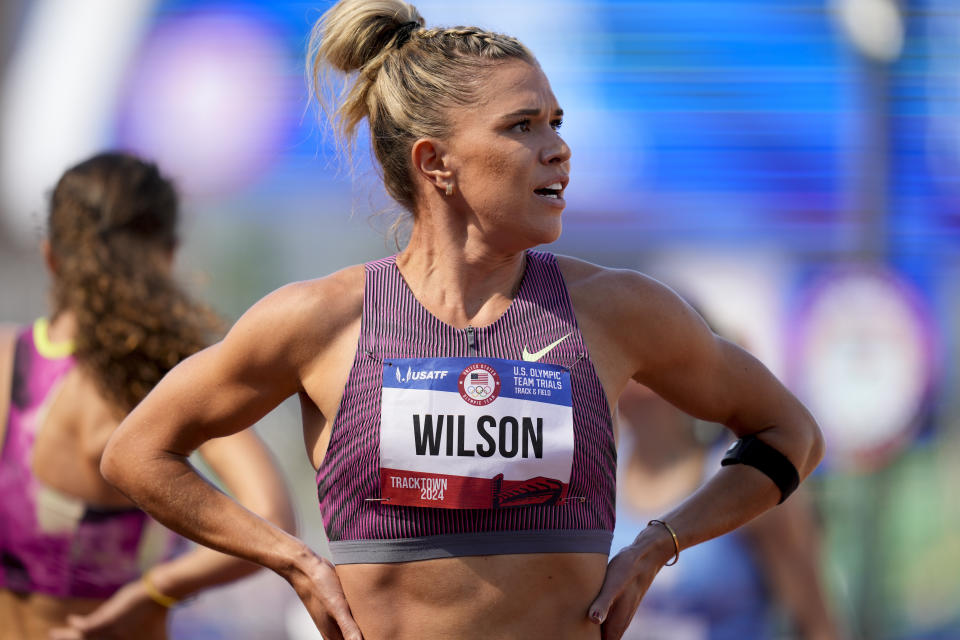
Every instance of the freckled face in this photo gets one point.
(510, 164)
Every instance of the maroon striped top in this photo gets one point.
(363, 529)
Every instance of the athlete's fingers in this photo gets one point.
(322, 594)
(78, 622)
(319, 612)
(328, 628)
(335, 603)
(327, 606)
(619, 575)
(619, 616)
(338, 609)
(65, 633)
(76, 629)
(87, 623)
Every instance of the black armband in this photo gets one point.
(755, 452)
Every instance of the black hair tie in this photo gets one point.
(404, 32)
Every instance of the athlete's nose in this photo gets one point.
(557, 152)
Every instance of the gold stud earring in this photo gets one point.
(449, 189)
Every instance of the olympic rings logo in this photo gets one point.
(479, 384)
(478, 391)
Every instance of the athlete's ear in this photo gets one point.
(49, 257)
(429, 161)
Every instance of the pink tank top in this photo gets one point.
(50, 542)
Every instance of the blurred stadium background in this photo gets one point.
(792, 165)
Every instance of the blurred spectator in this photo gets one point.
(729, 588)
(77, 558)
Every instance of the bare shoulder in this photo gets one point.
(330, 299)
(612, 292)
(8, 339)
(632, 322)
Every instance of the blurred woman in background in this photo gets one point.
(739, 585)
(73, 550)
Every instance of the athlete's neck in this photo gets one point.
(461, 283)
(63, 327)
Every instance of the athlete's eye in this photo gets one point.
(556, 124)
(523, 125)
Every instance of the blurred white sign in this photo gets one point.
(863, 360)
(57, 99)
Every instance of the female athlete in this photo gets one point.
(73, 550)
(456, 397)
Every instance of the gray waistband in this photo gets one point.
(470, 544)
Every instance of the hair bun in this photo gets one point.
(354, 32)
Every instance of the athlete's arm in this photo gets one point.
(218, 392)
(640, 329)
(786, 540)
(8, 339)
(247, 470)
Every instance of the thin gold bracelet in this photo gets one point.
(156, 595)
(676, 542)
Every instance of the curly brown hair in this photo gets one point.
(112, 228)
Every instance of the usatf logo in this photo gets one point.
(412, 375)
(479, 384)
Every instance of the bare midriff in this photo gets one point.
(503, 597)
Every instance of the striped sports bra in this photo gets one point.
(478, 441)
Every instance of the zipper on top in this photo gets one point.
(471, 339)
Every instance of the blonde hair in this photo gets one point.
(406, 77)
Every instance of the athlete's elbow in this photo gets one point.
(111, 465)
(814, 445)
(117, 462)
(818, 448)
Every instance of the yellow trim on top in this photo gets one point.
(46, 348)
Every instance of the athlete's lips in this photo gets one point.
(560, 179)
(554, 188)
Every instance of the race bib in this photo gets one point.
(474, 433)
